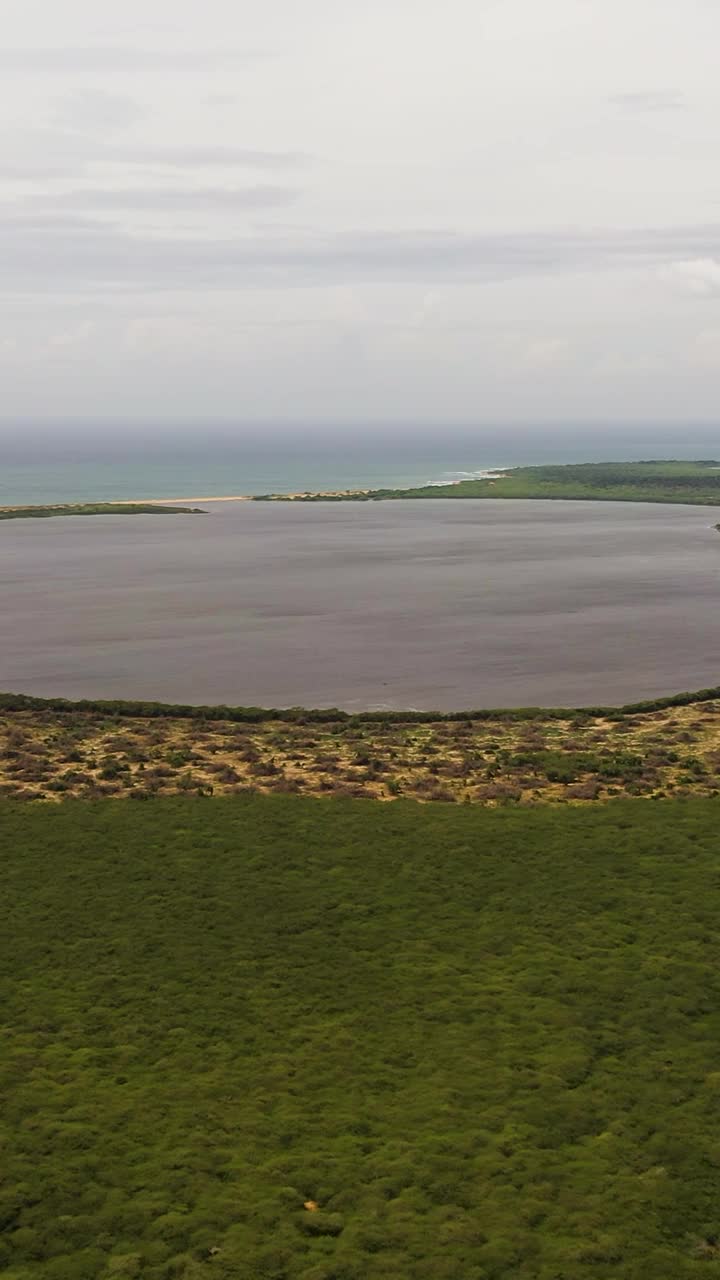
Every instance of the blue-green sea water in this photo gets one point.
(61, 462)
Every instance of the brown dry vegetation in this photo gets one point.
(49, 756)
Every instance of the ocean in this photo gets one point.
(65, 462)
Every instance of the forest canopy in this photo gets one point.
(271, 1036)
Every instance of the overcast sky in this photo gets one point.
(333, 210)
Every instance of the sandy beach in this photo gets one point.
(243, 497)
(171, 502)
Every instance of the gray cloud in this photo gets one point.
(52, 153)
(444, 163)
(697, 276)
(650, 100)
(60, 255)
(171, 199)
(98, 110)
(219, 156)
(107, 59)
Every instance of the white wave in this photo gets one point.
(456, 477)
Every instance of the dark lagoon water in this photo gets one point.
(442, 605)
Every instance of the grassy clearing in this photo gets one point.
(47, 755)
(653, 481)
(477, 1044)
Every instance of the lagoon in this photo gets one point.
(441, 605)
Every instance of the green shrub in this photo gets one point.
(484, 1040)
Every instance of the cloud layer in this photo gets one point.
(473, 208)
(59, 251)
(117, 59)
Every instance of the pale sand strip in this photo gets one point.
(173, 502)
(122, 502)
(165, 502)
(244, 497)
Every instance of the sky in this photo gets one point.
(333, 211)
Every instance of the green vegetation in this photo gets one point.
(325, 715)
(697, 483)
(95, 509)
(479, 1045)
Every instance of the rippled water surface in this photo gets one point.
(443, 604)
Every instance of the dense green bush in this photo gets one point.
(95, 509)
(483, 1042)
(567, 766)
(331, 715)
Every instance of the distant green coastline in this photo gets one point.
(94, 509)
(694, 482)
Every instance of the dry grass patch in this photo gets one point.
(48, 756)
